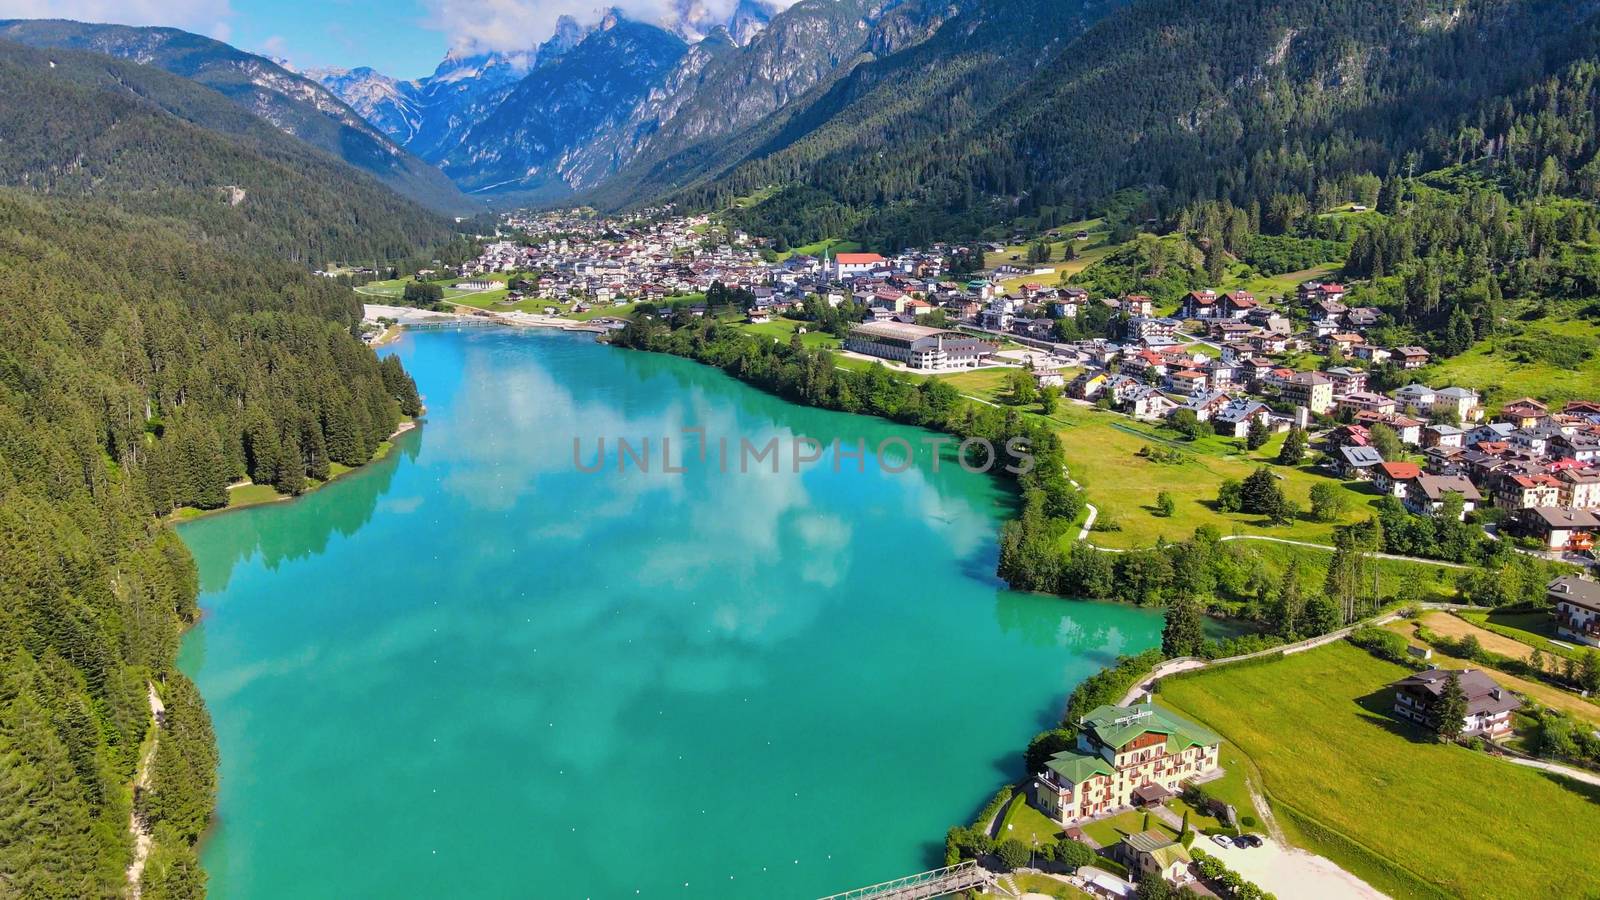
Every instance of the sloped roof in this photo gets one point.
(1078, 767)
(1115, 726)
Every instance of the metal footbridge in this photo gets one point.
(923, 885)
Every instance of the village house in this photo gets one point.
(1524, 413)
(1051, 377)
(1489, 706)
(1138, 306)
(1148, 403)
(1515, 491)
(1394, 477)
(1088, 385)
(1150, 328)
(1347, 380)
(1457, 403)
(1409, 430)
(1125, 754)
(1576, 605)
(1201, 304)
(1155, 853)
(1364, 401)
(1234, 420)
(1580, 488)
(1343, 341)
(1417, 399)
(1425, 494)
(1559, 528)
(1312, 390)
(1358, 462)
(1447, 436)
(1187, 382)
(1360, 318)
(1236, 304)
(1314, 292)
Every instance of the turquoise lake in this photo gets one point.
(471, 669)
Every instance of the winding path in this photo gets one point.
(141, 782)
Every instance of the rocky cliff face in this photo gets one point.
(521, 145)
(388, 104)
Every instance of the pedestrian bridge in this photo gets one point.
(936, 883)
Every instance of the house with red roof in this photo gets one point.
(1395, 477)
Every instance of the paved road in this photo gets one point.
(1556, 768)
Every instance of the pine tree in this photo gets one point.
(1293, 451)
(1450, 710)
(1257, 435)
(1184, 633)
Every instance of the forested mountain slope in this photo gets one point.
(298, 106)
(80, 123)
(160, 337)
(696, 119)
(1192, 99)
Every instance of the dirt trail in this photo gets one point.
(141, 782)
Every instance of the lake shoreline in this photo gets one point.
(969, 608)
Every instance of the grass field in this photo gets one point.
(1536, 628)
(1102, 451)
(1437, 582)
(1410, 816)
(816, 248)
(781, 330)
(1500, 374)
(1264, 286)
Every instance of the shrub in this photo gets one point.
(1074, 854)
(1382, 644)
(1012, 853)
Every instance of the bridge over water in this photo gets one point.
(923, 885)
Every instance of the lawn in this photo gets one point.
(781, 330)
(1107, 832)
(394, 289)
(1030, 883)
(1230, 789)
(987, 384)
(1410, 816)
(1026, 824)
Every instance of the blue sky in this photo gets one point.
(392, 36)
(404, 38)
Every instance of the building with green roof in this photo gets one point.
(1155, 853)
(1125, 756)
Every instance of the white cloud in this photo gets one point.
(508, 25)
(209, 17)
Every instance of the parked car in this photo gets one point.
(1222, 840)
(1247, 840)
